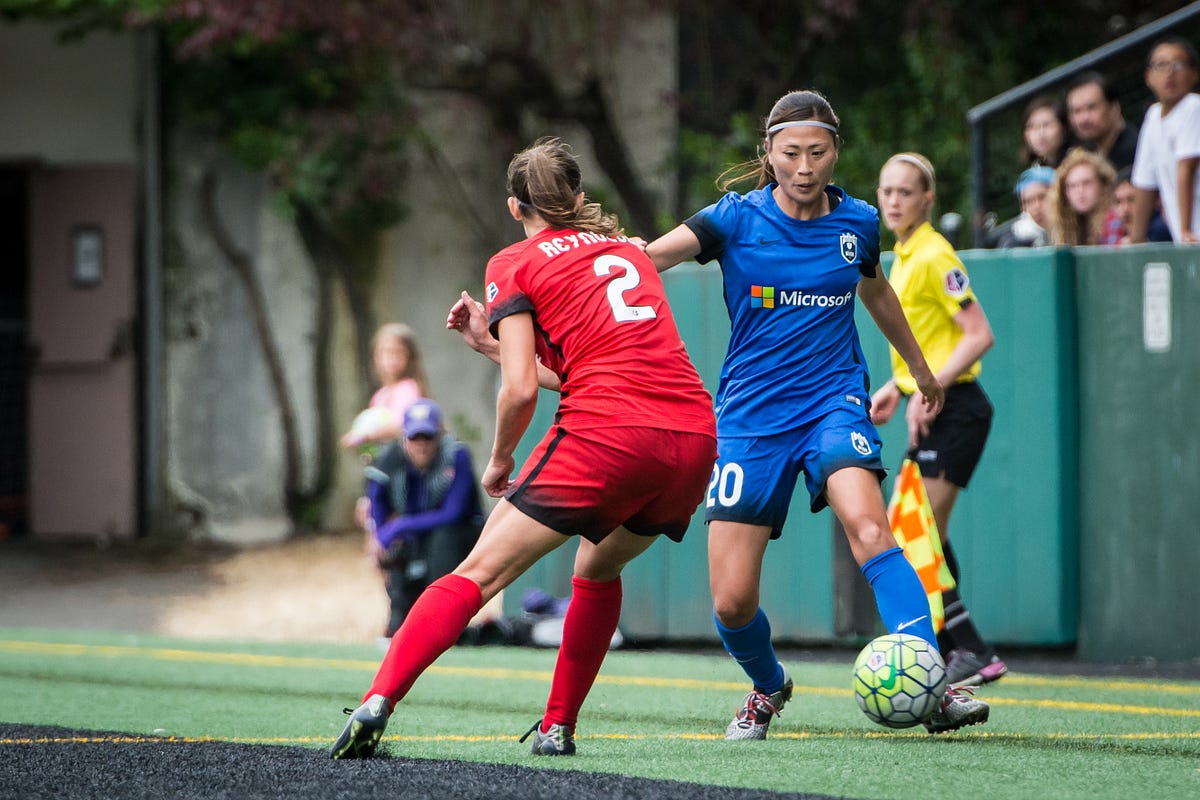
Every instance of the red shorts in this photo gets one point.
(593, 481)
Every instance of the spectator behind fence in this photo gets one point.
(1030, 227)
(1096, 122)
(1169, 146)
(424, 505)
(1119, 221)
(1080, 198)
(1045, 136)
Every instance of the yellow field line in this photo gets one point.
(461, 739)
(496, 673)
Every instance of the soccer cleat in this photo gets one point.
(754, 717)
(965, 668)
(361, 735)
(558, 741)
(958, 709)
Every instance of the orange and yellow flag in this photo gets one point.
(915, 529)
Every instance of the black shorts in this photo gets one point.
(952, 448)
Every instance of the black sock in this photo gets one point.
(959, 627)
(959, 630)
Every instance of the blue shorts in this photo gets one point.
(754, 477)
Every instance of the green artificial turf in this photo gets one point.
(651, 714)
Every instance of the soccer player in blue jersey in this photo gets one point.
(794, 392)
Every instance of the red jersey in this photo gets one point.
(602, 323)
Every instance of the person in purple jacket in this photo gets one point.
(425, 507)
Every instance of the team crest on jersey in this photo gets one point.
(957, 282)
(492, 291)
(849, 246)
(860, 443)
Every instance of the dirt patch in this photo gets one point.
(315, 588)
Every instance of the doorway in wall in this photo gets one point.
(14, 351)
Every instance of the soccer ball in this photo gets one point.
(899, 680)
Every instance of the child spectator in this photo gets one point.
(1169, 145)
(401, 374)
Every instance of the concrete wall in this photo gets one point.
(441, 250)
(224, 457)
(67, 102)
(224, 446)
(78, 102)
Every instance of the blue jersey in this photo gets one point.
(789, 287)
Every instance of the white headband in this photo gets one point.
(809, 123)
(918, 163)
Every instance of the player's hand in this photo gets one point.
(495, 478)
(469, 317)
(920, 414)
(884, 403)
(377, 552)
(362, 517)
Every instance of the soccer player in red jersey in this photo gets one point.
(575, 307)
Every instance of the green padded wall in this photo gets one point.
(1139, 452)
(1081, 523)
(1014, 529)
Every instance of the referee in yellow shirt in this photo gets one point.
(953, 332)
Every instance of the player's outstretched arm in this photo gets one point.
(673, 247)
(469, 317)
(516, 401)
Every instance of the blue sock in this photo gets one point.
(899, 595)
(750, 646)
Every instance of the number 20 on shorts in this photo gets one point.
(725, 487)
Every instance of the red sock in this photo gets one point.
(587, 631)
(435, 622)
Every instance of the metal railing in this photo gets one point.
(978, 116)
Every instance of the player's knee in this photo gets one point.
(734, 611)
(869, 537)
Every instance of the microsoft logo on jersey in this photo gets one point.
(770, 296)
(762, 296)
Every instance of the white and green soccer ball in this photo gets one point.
(899, 680)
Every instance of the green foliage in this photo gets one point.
(331, 134)
(702, 156)
(900, 76)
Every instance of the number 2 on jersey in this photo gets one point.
(618, 286)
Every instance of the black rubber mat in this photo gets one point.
(43, 762)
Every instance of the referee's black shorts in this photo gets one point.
(955, 442)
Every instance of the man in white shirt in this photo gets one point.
(1168, 150)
